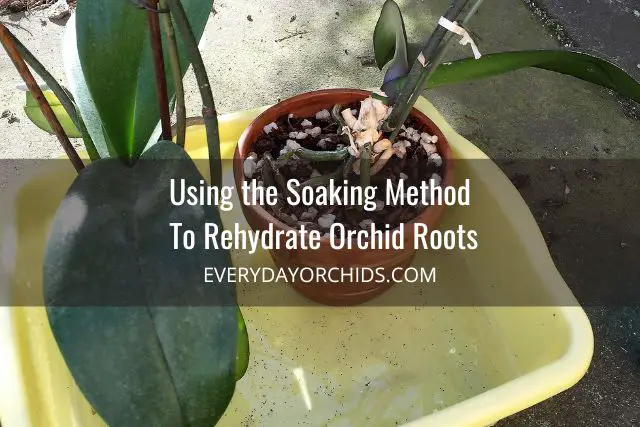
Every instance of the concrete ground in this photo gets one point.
(593, 233)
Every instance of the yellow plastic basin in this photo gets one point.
(323, 366)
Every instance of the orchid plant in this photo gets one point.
(410, 68)
(145, 340)
(142, 360)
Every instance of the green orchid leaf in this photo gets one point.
(581, 65)
(115, 66)
(147, 341)
(390, 42)
(577, 64)
(78, 88)
(242, 351)
(33, 112)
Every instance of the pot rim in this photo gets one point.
(434, 211)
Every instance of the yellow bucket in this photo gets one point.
(327, 366)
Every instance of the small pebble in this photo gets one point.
(323, 115)
(326, 220)
(436, 159)
(354, 111)
(425, 137)
(309, 215)
(379, 205)
(292, 145)
(399, 149)
(293, 135)
(5, 114)
(366, 223)
(301, 135)
(249, 167)
(268, 128)
(313, 132)
(404, 175)
(429, 148)
(415, 137)
(306, 123)
(323, 143)
(434, 138)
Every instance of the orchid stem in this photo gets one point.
(13, 52)
(429, 69)
(61, 93)
(158, 62)
(176, 74)
(402, 106)
(208, 105)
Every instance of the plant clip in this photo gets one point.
(142, 4)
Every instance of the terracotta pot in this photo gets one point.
(348, 292)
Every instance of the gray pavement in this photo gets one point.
(528, 114)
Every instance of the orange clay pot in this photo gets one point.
(345, 293)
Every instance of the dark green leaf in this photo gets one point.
(390, 42)
(117, 68)
(78, 87)
(146, 340)
(577, 64)
(242, 352)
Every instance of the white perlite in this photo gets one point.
(323, 143)
(249, 167)
(309, 215)
(313, 132)
(297, 135)
(271, 126)
(366, 223)
(436, 159)
(326, 220)
(429, 148)
(306, 123)
(379, 205)
(404, 175)
(323, 115)
(292, 145)
(425, 137)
